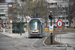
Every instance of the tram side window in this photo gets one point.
(35, 25)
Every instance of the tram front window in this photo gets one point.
(34, 25)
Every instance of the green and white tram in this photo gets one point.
(36, 27)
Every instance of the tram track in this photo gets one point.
(33, 44)
(19, 43)
(28, 40)
(25, 44)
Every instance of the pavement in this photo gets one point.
(68, 38)
(15, 35)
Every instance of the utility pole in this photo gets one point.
(54, 20)
(34, 12)
(22, 13)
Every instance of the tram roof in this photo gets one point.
(35, 18)
(42, 20)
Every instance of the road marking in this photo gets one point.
(33, 43)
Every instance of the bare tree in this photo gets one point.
(34, 8)
(71, 11)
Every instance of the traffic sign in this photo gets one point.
(59, 23)
(27, 20)
(46, 29)
(51, 29)
(10, 20)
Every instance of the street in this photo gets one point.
(8, 43)
(14, 41)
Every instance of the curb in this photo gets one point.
(44, 40)
(14, 35)
(62, 42)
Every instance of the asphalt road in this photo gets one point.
(8, 43)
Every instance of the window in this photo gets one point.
(63, 17)
(59, 17)
(6, 14)
(66, 17)
(60, 13)
(22, 0)
(3, 10)
(64, 13)
(3, 5)
(56, 18)
(2, 15)
(2, 1)
(54, 3)
(10, 5)
(35, 25)
(10, 14)
(66, 22)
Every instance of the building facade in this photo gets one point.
(5, 16)
(59, 10)
(3, 13)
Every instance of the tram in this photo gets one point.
(36, 27)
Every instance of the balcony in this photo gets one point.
(3, 12)
(4, 17)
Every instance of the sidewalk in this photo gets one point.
(68, 38)
(55, 48)
(15, 35)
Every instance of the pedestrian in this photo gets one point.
(3, 29)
